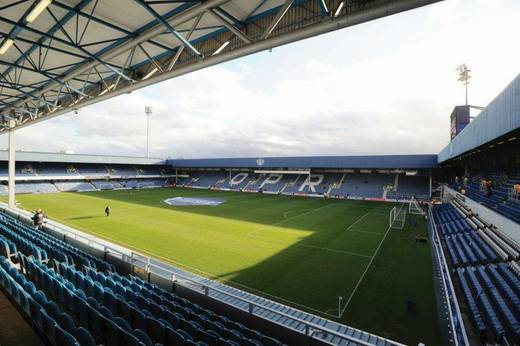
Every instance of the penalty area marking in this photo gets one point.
(355, 222)
(288, 219)
(340, 315)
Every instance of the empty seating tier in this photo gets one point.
(74, 299)
(486, 271)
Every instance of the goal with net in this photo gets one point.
(414, 207)
(398, 217)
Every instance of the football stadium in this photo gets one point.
(229, 250)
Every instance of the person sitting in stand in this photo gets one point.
(517, 190)
(38, 219)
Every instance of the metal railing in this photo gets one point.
(133, 258)
(449, 289)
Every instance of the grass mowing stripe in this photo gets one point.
(367, 232)
(310, 246)
(365, 272)
(288, 219)
(211, 242)
(361, 218)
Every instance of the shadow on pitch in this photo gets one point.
(87, 217)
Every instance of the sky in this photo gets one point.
(383, 87)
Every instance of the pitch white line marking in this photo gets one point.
(357, 231)
(365, 272)
(288, 219)
(311, 246)
(355, 222)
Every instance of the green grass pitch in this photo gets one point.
(304, 252)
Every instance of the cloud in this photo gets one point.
(383, 87)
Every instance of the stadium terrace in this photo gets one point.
(304, 250)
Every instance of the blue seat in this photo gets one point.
(145, 339)
(268, 341)
(89, 287)
(123, 309)
(94, 323)
(123, 324)
(99, 291)
(48, 326)
(110, 331)
(129, 339)
(79, 278)
(63, 338)
(209, 337)
(34, 310)
(138, 319)
(173, 338)
(66, 323)
(52, 309)
(105, 312)
(109, 300)
(250, 342)
(84, 337)
(233, 335)
(155, 330)
(173, 319)
(39, 296)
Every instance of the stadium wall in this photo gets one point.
(500, 117)
(336, 162)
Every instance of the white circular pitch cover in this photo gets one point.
(192, 201)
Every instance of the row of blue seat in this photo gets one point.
(489, 311)
(55, 326)
(56, 248)
(126, 310)
(472, 304)
(21, 243)
(157, 321)
(501, 304)
(490, 288)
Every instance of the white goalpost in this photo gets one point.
(397, 217)
(414, 207)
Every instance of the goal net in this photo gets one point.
(398, 217)
(414, 207)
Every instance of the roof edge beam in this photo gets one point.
(170, 28)
(281, 13)
(217, 15)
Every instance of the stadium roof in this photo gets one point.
(78, 52)
(330, 162)
(33, 156)
(499, 119)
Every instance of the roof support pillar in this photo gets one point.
(11, 166)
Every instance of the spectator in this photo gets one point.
(38, 219)
(489, 188)
(466, 180)
(517, 190)
(107, 210)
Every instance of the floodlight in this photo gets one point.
(6, 45)
(37, 10)
(338, 10)
(151, 73)
(221, 48)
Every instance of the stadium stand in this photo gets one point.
(363, 185)
(486, 268)
(57, 176)
(74, 298)
(502, 200)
